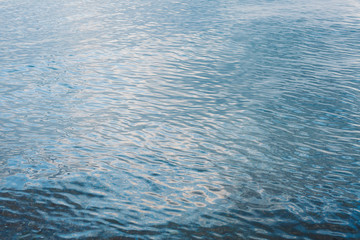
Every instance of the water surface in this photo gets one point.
(159, 119)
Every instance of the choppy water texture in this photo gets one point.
(159, 119)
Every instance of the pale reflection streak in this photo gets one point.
(136, 72)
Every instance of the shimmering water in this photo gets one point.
(159, 119)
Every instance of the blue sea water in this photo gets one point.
(159, 119)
